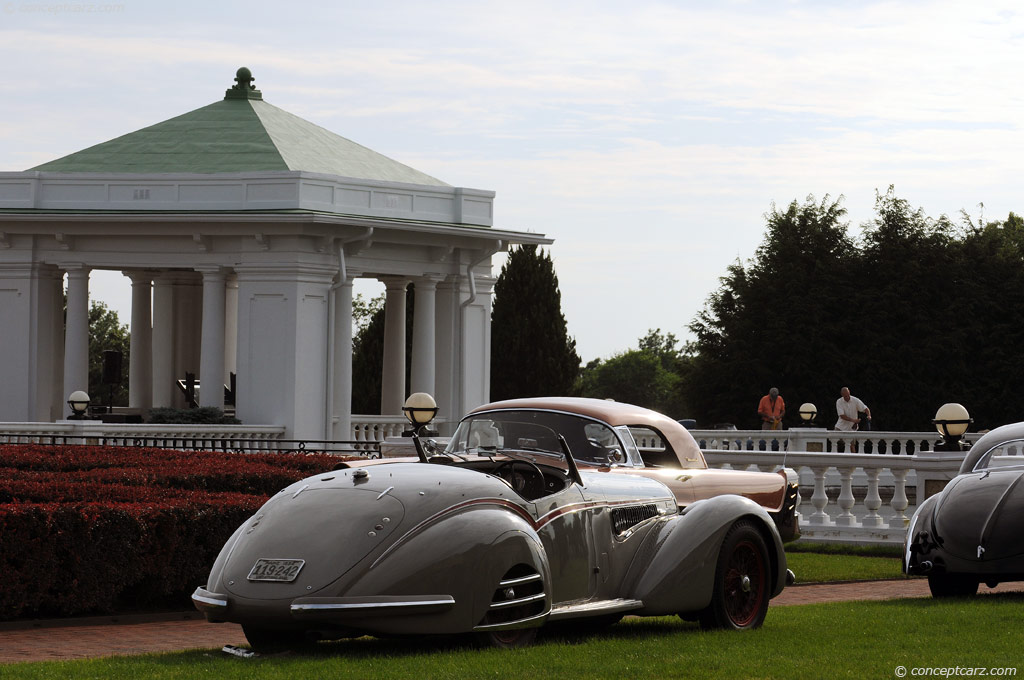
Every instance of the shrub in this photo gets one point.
(93, 529)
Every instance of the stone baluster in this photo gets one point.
(846, 499)
(899, 500)
(820, 499)
(872, 501)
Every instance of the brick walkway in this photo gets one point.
(64, 639)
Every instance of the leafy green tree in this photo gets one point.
(531, 351)
(649, 376)
(106, 332)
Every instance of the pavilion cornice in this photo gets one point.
(121, 223)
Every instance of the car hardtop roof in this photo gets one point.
(615, 413)
(1004, 433)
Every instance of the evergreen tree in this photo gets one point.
(776, 321)
(368, 350)
(916, 313)
(531, 351)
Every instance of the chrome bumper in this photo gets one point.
(307, 608)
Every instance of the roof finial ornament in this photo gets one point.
(243, 87)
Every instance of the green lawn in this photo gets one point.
(819, 568)
(844, 640)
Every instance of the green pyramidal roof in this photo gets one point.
(242, 133)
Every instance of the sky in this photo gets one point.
(647, 138)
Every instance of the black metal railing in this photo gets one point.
(209, 442)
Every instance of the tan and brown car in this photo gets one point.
(668, 453)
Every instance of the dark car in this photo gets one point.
(973, 531)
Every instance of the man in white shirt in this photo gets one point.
(848, 408)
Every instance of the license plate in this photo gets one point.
(275, 570)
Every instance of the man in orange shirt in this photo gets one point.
(771, 409)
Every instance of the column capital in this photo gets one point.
(139, 276)
(428, 280)
(211, 271)
(76, 269)
(392, 283)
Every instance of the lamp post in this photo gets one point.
(79, 403)
(420, 408)
(951, 421)
(808, 412)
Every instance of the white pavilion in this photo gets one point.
(242, 228)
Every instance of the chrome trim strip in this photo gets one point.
(518, 601)
(349, 606)
(509, 625)
(209, 601)
(594, 608)
(536, 524)
(519, 581)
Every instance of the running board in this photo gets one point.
(594, 608)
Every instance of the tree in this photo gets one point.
(106, 332)
(649, 376)
(368, 350)
(917, 312)
(531, 351)
(776, 321)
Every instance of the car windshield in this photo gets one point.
(1003, 455)
(536, 431)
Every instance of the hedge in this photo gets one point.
(98, 530)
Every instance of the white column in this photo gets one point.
(211, 355)
(163, 341)
(392, 389)
(76, 332)
(423, 336)
(59, 401)
(341, 385)
(140, 360)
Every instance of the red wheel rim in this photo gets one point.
(744, 586)
(507, 637)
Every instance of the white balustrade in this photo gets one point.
(811, 440)
(848, 505)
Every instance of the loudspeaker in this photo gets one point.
(111, 367)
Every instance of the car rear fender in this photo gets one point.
(675, 569)
(465, 556)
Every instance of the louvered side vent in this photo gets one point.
(624, 519)
(520, 595)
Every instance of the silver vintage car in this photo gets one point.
(497, 534)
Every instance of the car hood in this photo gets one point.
(334, 520)
(979, 515)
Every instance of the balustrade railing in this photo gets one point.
(853, 497)
(820, 440)
(366, 437)
(194, 437)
